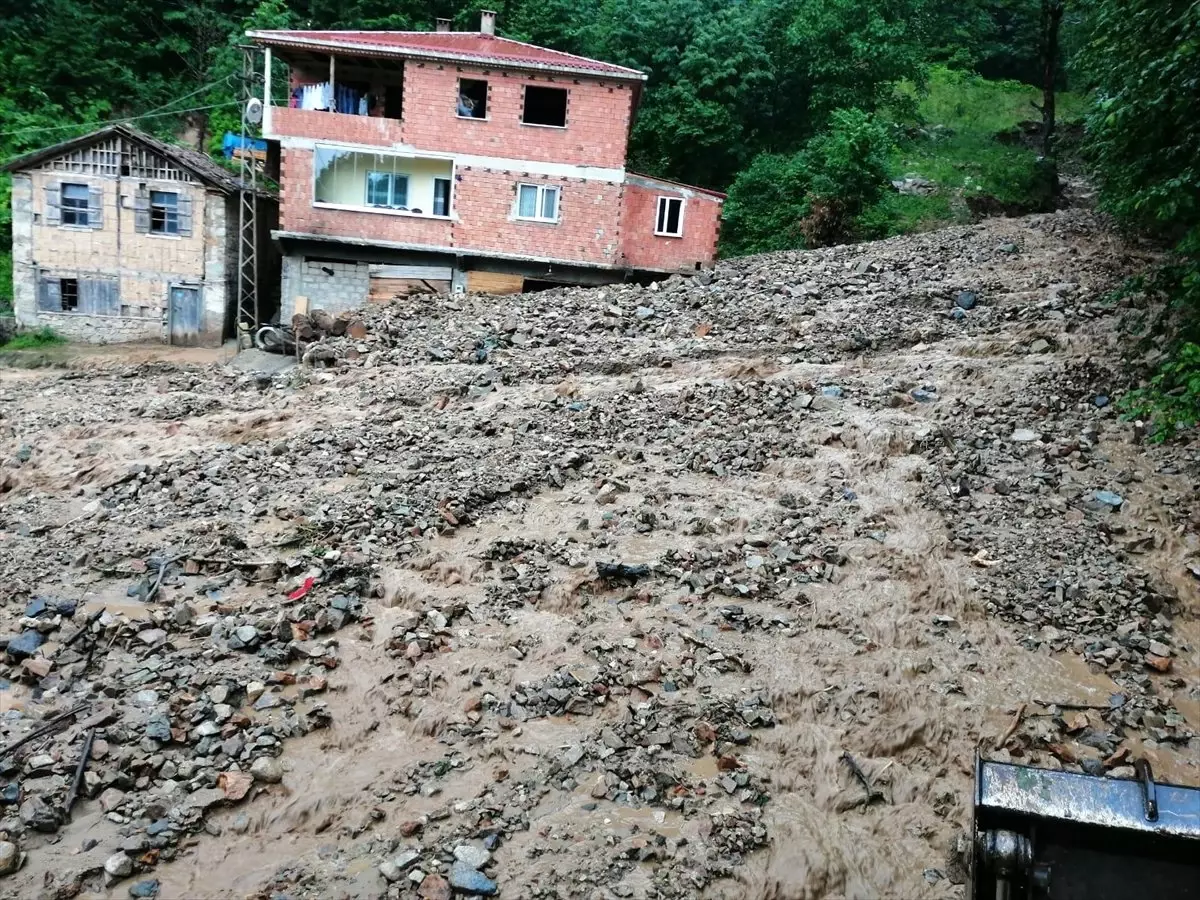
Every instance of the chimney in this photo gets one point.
(443, 25)
(487, 22)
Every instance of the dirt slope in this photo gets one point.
(874, 528)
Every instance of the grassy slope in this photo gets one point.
(963, 156)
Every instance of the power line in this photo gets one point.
(150, 115)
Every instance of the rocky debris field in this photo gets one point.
(706, 588)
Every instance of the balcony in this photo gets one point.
(386, 183)
(337, 99)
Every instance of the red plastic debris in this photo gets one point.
(301, 592)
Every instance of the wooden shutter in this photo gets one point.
(184, 210)
(95, 207)
(49, 297)
(141, 211)
(53, 204)
(99, 297)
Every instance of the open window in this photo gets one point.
(668, 220)
(537, 202)
(68, 293)
(75, 204)
(545, 106)
(472, 98)
(164, 212)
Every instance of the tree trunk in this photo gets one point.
(1052, 13)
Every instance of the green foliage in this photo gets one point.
(35, 340)
(1144, 143)
(1171, 399)
(811, 197)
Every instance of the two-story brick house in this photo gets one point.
(118, 236)
(463, 160)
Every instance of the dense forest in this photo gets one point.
(805, 111)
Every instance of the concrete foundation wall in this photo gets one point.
(327, 283)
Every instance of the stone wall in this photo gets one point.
(144, 265)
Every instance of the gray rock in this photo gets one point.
(267, 769)
(1024, 436)
(37, 814)
(470, 881)
(119, 865)
(390, 871)
(159, 728)
(473, 854)
(10, 858)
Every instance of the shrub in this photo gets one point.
(812, 197)
(32, 340)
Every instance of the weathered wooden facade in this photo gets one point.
(118, 236)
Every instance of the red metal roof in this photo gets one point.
(461, 45)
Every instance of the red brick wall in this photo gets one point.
(642, 248)
(341, 127)
(587, 230)
(597, 119)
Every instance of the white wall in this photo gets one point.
(344, 180)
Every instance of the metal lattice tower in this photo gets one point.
(248, 314)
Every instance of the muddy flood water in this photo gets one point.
(867, 538)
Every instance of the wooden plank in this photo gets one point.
(494, 283)
(383, 289)
(300, 305)
(426, 273)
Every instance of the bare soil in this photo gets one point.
(886, 576)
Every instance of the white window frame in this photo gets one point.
(391, 177)
(75, 210)
(170, 214)
(542, 190)
(658, 215)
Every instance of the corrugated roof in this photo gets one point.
(458, 45)
(193, 161)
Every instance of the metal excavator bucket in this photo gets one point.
(1045, 835)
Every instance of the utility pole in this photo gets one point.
(247, 291)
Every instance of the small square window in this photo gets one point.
(74, 204)
(545, 106)
(164, 212)
(68, 291)
(668, 221)
(387, 189)
(472, 98)
(537, 202)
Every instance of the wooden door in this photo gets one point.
(184, 315)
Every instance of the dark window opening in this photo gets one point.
(545, 106)
(74, 204)
(669, 220)
(393, 101)
(472, 98)
(441, 196)
(164, 212)
(68, 290)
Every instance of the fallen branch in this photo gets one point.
(1012, 727)
(162, 571)
(861, 776)
(84, 754)
(86, 627)
(1103, 706)
(44, 729)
